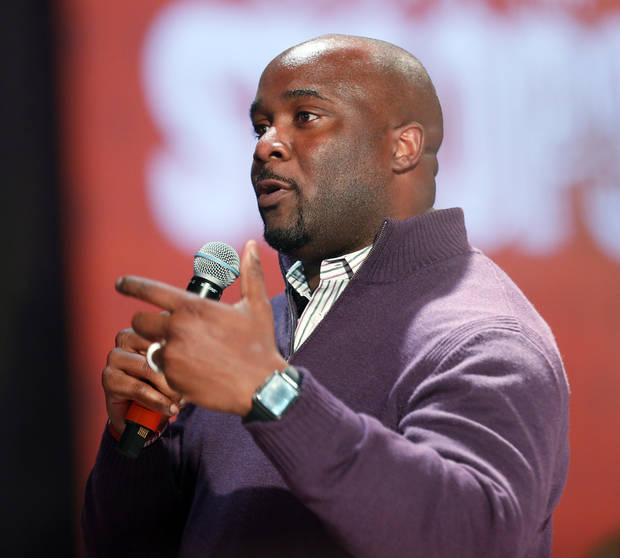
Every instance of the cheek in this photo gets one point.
(337, 156)
(316, 169)
(342, 165)
(311, 153)
(337, 163)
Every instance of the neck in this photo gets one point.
(312, 270)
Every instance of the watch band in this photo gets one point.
(276, 396)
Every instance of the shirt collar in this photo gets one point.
(341, 268)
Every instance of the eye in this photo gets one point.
(304, 116)
(259, 130)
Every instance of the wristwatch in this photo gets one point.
(276, 396)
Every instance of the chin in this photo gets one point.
(286, 240)
(287, 237)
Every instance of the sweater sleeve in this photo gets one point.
(474, 467)
(135, 507)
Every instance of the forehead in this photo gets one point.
(335, 76)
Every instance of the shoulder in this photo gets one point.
(468, 313)
(470, 293)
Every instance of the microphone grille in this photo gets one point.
(218, 262)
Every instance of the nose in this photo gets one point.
(271, 145)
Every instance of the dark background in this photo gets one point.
(36, 470)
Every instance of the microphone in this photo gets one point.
(216, 266)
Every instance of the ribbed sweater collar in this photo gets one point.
(405, 246)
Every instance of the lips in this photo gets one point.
(270, 192)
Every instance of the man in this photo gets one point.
(422, 408)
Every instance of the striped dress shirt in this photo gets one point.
(335, 274)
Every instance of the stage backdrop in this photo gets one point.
(157, 147)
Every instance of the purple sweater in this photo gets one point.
(432, 422)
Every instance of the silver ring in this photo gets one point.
(149, 355)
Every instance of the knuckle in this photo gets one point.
(110, 379)
(113, 356)
(122, 337)
(192, 306)
(145, 368)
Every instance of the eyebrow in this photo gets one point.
(291, 94)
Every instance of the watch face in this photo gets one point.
(276, 395)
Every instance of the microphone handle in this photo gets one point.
(140, 422)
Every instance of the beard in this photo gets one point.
(288, 239)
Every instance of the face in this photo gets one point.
(320, 163)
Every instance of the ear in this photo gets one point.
(409, 147)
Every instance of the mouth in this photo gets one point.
(269, 192)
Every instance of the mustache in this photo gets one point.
(266, 174)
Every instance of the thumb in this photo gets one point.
(251, 278)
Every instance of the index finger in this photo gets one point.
(160, 294)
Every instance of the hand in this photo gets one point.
(216, 354)
(125, 380)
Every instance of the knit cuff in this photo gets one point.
(316, 428)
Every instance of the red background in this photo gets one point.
(107, 135)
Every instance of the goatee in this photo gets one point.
(290, 239)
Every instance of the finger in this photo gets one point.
(135, 366)
(129, 340)
(252, 282)
(123, 387)
(160, 294)
(150, 325)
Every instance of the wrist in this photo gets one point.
(247, 402)
(276, 396)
